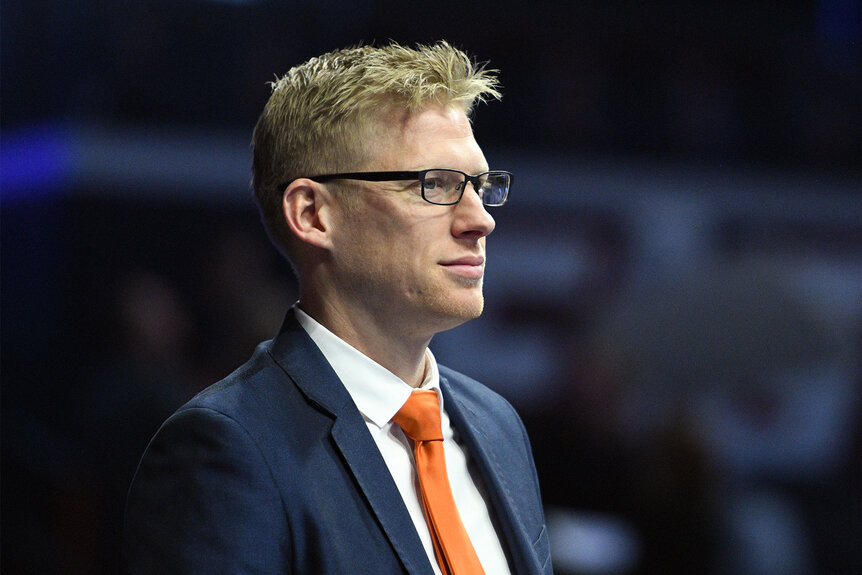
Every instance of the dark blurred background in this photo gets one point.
(674, 292)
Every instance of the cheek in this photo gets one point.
(396, 243)
(407, 261)
(383, 253)
(405, 257)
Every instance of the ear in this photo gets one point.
(307, 210)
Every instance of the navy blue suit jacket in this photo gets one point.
(272, 470)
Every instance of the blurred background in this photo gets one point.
(674, 291)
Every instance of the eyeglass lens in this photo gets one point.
(446, 187)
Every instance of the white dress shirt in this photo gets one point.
(379, 394)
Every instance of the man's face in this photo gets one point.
(415, 266)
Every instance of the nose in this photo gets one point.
(471, 220)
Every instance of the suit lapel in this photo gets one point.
(376, 483)
(479, 441)
(306, 366)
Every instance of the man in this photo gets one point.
(370, 181)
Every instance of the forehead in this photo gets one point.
(448, 122)
(435, 137)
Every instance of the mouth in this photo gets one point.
(472, 267)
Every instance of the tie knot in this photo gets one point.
(419, 417)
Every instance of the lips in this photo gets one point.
(469, 266)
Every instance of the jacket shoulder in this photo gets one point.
(475, 395)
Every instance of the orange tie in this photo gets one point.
(420, 420)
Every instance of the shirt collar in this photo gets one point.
(377, 392)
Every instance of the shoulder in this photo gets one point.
(472, 404)
(222, 421)
(206, 494)
(251, 396)
(247, 380)
(474, 395)
(203, 490)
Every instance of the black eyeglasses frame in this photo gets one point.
(420, 176)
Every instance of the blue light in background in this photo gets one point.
(35, 162)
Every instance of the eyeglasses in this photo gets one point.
(442, 187)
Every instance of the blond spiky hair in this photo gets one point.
(321, 114)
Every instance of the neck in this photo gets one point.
(401, 353)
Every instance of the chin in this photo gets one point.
(463, 310)
(451, 305)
